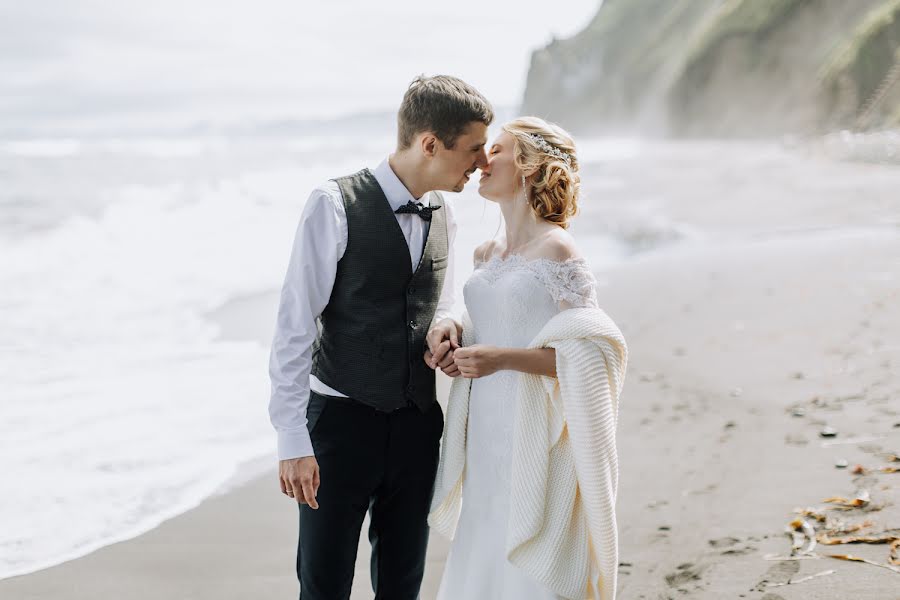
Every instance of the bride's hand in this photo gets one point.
(478, 360)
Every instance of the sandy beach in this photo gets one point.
(773, 318)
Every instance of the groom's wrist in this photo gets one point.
(447, 322)
(294, 444)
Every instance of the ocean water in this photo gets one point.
(120, 406)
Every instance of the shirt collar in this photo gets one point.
(396, 193)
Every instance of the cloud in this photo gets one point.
(226, 60)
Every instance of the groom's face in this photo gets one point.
(452, 167)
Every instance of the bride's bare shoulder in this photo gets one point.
(484, 251)
(559, 246)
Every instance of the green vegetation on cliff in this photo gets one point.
(854, 76)
(748, 67)
(735, 18)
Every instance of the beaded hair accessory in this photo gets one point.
(545, 146)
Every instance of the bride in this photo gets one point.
(527, 479)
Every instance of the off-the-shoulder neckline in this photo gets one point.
(521, 259)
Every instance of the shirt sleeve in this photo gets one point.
(447, 299)
(319, 243)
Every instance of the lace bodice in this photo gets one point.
(510, 299)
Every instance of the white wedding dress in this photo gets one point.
(509, 300)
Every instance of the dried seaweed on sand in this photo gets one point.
(864, 560)
(860, 501)
(801, 580)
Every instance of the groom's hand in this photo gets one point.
(299, 479)
(443, 340)
(447, 364)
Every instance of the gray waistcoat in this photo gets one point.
(372, 333)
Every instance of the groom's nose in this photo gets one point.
(481, 162)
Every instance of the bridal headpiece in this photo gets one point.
(550, 149)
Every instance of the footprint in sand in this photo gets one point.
(794, 439)
(780, 572)
(685, 573)
(729, 546)
(724, 542)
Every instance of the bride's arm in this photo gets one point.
(481, 360)
(537, 361)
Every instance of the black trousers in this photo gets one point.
(383, 463)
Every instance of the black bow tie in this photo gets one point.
(417, 208)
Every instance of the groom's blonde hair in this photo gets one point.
(443, 105)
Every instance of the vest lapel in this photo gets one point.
(384, 207)
(428, 248)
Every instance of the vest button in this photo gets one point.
(411, 291)
(413, 324)
(411, 389)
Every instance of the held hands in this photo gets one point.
(299, 478)
(443, 341)
(444, 352)
(477, 361)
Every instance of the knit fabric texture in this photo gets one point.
(562, 524)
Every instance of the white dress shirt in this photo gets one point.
(319, 244)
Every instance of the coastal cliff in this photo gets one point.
(733, 67)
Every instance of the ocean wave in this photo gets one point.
(115, 387)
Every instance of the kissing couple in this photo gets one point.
(522, 474)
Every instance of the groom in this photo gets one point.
(352, 401)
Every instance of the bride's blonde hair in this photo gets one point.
(555, 185)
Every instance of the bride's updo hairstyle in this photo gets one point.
(550, 150)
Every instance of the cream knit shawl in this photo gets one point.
(562, 524)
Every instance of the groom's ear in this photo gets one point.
(428, 143)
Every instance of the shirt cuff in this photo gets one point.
(439, 316)
(294, 444)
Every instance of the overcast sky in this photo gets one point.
(92, 61)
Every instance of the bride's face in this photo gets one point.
(500, 177)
